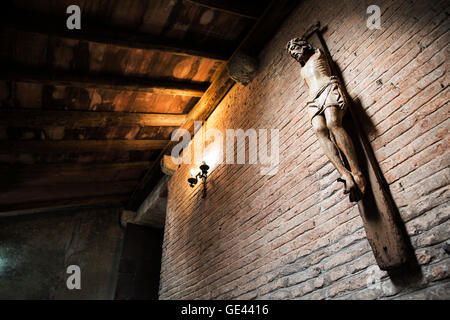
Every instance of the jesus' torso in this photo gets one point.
(316, 72)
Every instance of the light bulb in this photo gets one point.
(210, 158)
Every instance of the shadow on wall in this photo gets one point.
(140, 263)
(409, 272)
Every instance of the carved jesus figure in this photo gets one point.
(326, 107)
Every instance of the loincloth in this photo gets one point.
(329, 95)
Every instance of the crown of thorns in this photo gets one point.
(299, 42)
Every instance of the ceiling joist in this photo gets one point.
(46, 25)
(105, 82)
(242, 8)
(17, 176)
(58, 204)
(18, 198)
(33, 118)
(62, 146)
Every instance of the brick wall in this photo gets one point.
(295, 235)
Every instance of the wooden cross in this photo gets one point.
(381, 219)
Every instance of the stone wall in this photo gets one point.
(36, 249)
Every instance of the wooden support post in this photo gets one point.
(380, 216)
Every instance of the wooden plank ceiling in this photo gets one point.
(83, 114)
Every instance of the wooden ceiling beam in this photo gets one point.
(16, 198)
(104, 82)
(15, 176)
(87, 203)
(220, 86)
(205, 106)
(46, 25)
(37, 118)
(242, 8)
(263, 30)
(62, 146)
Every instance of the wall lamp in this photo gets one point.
(203, 174)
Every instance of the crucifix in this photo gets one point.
(354, 160)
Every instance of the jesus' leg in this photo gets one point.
(328, 147)
(333, 118)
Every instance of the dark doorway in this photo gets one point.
(140, 263)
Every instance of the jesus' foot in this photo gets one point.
(349, 184)
(360, 181)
